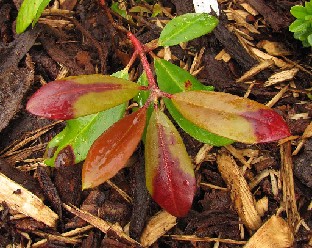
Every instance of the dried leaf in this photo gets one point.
(170, 176)
(231, 116)
(110, 152)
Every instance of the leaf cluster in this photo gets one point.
(97, 132)
(302, 26)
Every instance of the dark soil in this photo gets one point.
(89, 39)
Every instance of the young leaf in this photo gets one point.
(231, 116)
(80, 133)
(110, 152)
(173, 79)
(76, 96)
(187, 27)
(29, 12)
(170, 176)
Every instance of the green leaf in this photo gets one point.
(41, 8)
(187, 27)
(142, 96)
(116, 9)
(308, 6)
(80, 133)
(141, 99)
(29, 12)
(310, 39)
(298, 26)
(173, 79)
(298, 11)
(156, 10)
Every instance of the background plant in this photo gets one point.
(302, 26)
(29, 13)
(211, 117)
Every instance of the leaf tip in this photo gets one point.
(268, 125)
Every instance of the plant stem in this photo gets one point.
(140, 50)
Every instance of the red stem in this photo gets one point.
(140, 50)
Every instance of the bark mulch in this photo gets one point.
(246, 193)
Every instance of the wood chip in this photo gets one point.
(262, 206)
(157, 226)
(255, 70)
(281, 76)
(242, 198)
(194, 238)
(277, 97)
(99, 223)
(223, 55)
(20, 199)
(249, 9)
(287, 176)
(274, 48)
(275, 233)
(264, 56)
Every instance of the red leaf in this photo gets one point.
(76, 96)
(170, 176)
(110, 152)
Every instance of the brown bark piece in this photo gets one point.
(12, 53)
(233, 47)
(276, 20)
(302, 164)
(60, 56)
(14, 83)
(68, 183)
(141, 201)
(49, 189)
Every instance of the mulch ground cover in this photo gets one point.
(251, 53)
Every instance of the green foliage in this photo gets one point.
(302, 26)
(187, 27)
(29, 12)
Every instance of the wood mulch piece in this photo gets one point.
(246, 193)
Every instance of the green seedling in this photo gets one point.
(95, 107)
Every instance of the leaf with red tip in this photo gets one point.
(170, 176)
(76, 96)
(110, 152)
(231, 116)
